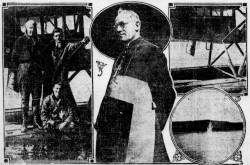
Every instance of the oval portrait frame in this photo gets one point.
(120, 4)
(173, 138)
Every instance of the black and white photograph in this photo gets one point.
(124, 82)
(208, 47)
(47, 83)
(139, 93)
(207, 125)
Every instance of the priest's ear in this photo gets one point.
(138, 26)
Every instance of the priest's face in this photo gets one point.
(126, 27)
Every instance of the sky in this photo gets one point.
(207, 104)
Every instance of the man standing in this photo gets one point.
(57, 113)
(138, 100)
(26, 58)
(56, 64)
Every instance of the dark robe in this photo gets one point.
(128, 122)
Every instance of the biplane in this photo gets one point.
(74, 20)
(208, 48)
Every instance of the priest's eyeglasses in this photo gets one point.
(121, 24)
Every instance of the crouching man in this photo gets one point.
(57, 112)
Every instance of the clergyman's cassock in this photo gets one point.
(135, 108)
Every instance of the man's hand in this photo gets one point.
(85, 40)
(62, 126)
(154, 106)
(51, 122)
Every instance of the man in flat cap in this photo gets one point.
(26, 59)
(138, 100)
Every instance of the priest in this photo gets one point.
(138, 100)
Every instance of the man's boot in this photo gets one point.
(36, 117)
(36, 123)
(24, 127)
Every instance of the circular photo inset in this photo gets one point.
(109, 31)
(207, 126)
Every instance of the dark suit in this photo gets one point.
(140, 77)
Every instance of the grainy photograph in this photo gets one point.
(47, 83)
(210, 132)
(209, 46)
(140, 92)
(124, 82)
